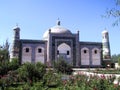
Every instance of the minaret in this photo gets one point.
(106, 45)
(15, 44)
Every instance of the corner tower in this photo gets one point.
(15, 44)
(106, 45)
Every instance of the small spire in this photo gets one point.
(16, 24)
(58, 22)
(16, 27)
(105, 28)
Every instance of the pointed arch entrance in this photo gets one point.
(64, 51)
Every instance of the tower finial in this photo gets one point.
(105, 28)
(58, 22)
(16, 24)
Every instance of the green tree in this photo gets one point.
(4, 68)
(14, 64)
(4, 52)
(7, 66)
(119, 61)
(115, 58)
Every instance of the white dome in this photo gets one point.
(16, 27)
(105, 31)
(57, 30)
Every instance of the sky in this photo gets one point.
(34, 17)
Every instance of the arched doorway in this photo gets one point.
(64, 51)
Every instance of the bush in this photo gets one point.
(62, 66)
(4, 68)
(51, 79)
(7, 66)
(31, 72)
(14, 64)
(40, 70)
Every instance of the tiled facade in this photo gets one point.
(58, 42)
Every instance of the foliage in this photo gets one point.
(29, 72)
(62, 66)
(14, 64)
(4, 68)
(4, 59)
(119, 61)
(7, 66)
(51, 79)
(4, 52)
(114, 12)
(41, 69)
(115, 58)
(4, 55)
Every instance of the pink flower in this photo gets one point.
(103, 76)
(64, 82)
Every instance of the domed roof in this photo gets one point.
(57, 30)
(16, 27)
(105, 31)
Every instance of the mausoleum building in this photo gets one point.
(59, 42)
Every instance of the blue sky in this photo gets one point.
(34, 17)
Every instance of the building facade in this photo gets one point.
(59, 42)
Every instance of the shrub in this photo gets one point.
(62, 66)
(31, 72)
(4, 68)
(51, 79)
(40, 70)
(14, 64)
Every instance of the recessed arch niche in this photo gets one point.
(64, 50)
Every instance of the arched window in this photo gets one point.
(68, 52)
(85, 51)
(57, 52)
(39, 50)
(27, 50)
(95, 51)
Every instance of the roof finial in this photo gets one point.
(16, 24)
(105, 28)
(58, 22)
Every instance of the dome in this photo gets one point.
(16, 28)
(105, 31)
(57, 30)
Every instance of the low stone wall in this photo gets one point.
(91, 73)
(117, 66)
